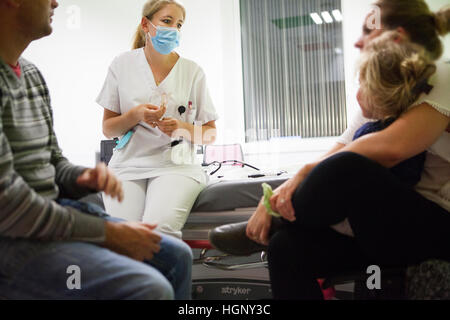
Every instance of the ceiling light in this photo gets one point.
(327, 17)
(315, 16)
(337, 15)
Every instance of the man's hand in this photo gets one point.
(101, 179)
(132, 239)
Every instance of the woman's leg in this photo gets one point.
(298, 257)
(393, 226)
(133, 204)
(391, 221)
(169, 201)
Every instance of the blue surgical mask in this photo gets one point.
(166, 39)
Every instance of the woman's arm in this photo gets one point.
(208, 133)
(116, 125)
(414, 132)
(201, 135)
(411, 134)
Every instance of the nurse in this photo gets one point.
(159, 104)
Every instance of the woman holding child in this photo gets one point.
(377, 199)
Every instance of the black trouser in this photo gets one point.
(392, 223)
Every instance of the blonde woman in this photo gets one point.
(392, 224)
(157, 102)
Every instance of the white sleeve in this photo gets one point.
(357, 122)
(109, 95)
(206, 111)
(439, 97)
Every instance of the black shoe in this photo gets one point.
(232, 239)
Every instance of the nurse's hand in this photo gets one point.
(169, 125)
(101, 179)
(149, 113)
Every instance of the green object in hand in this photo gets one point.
(267, 189)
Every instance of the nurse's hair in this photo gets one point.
(422, 25)
(393, 73)
(150, 8)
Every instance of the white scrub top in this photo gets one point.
(148, 154)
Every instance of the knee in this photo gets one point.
(330, 175)
(184, 254)
(345, 163)
(155, 289)
(181, 253)
(140, 284)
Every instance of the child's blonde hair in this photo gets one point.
(393, 74)
(150, 8)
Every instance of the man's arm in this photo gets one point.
(26, 214)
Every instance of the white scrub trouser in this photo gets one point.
(165, 201)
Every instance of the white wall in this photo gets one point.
(211, 37)
(75, 59)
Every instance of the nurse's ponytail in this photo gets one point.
(150, 8)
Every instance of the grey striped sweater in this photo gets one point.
(33, 171)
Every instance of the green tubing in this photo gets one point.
(267, 195)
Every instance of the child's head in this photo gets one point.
(392, 74)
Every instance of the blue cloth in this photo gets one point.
(408, 171)
(31, 269)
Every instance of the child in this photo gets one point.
(393, 74)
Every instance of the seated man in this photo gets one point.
(45, 234)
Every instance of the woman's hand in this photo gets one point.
(149, 114)
(101, 179)
(169, 125)
(258, 226)
(281, 201)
